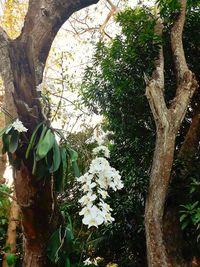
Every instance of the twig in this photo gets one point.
(8, 195)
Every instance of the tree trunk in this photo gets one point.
(160, 175)
(168, 121)
(22, 65)
(40, 215)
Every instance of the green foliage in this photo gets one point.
(67, 246)
(60, 246)
(114, 86)
(4, 214)
(168, 8)
(42, 153)
(190, 211)
(10, 259)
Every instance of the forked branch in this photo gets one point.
(155, 87)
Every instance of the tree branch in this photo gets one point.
(43, 20)
(177, 43)
(186, 81)
(155, 87)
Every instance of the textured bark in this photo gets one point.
(22, 65)
(168, 122)
(40, 215)
(156, 199)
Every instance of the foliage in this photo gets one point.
(43, 154)
(114, 86)
(13, 16)
(4, 214)
(45, 158)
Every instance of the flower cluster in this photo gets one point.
(101, 149)
(95, 184)
(18, 125)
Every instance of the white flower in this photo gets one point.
(93, 218)
(95, 262)
(87, 199)
(85, 211)
(105, 206)
(88, 186)
(103, 193)
(18, 125)
(98, 164)
(87, 261)
(103, 183)
(107, 217)
(84, 178)
(90, 262)
(102, 149)
(120, 185)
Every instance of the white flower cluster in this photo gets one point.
(94, 184)
(101, 149)
(18, 125)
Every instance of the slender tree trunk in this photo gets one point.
(160, 175)
(168, 121)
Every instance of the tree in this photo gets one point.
(118, 75)
(168, 121)
(22, 65)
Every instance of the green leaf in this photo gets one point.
(42, 170)
(5, 130)
(61, 172)
(75, 169)
(73, 155)
(6, 141)
(63, 154)
(183, 217)
(56, 158)
(14, 140)
(44, 145)
(55, 245)
(34, 164)
(32, 140)
(67, 262)
(10, 259)
(184, 225)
